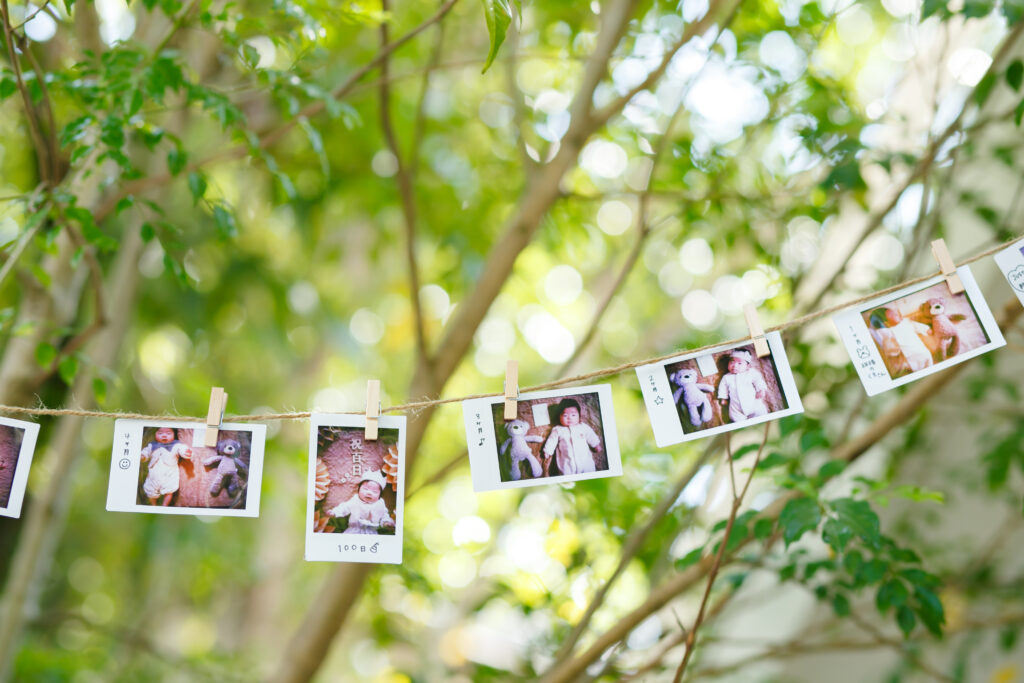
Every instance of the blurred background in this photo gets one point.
(287, 198)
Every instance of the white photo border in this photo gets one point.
(322, 547)
(20, 480)
(1011, 263)
(853, 332)
(483, 458)
(665, 420)
(122, 488)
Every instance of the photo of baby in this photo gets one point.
(17, 444)
(165, 467)
(551, 438)
(916, 331)
(356, 490)
(355, 482)
(174, 472)
(739, 387)
(10, 449)
(729, 387)
(927, 327)
(562, 435)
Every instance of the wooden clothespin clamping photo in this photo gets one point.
(215, 416)
(756, 331)
(372, 409)
(511, 390)
(947, 266)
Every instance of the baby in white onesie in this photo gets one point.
(365, 510)
(907, 334)
(571, 441)
(742, 388)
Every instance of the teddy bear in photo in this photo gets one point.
(230, 467)
(694, 396)
(518, 445)
(946, 338)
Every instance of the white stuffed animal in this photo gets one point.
(694, 396)
(518, 445)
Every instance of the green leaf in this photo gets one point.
(225, 221)
(813, 439)
(906, 620)
(45, 354)
(773, 460)
(858, 519)
(841, 605)
(831, 469)
(67, 369)
(749, 448)
(930, 610)
(891, 594)
(763, 528)
(1013, 10)
(1015, 74)
(197, 186)
(977, 8)
(930, 7)
(8, 86)
(498, 15)
(99, 390)
(984, 88)
(836, 534)
(1018, 113)
(147, 231)
(176, 160)
(799, 516)
(689, 558)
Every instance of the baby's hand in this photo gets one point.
(723, 401)
(387, 524)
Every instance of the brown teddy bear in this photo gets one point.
(946, 338)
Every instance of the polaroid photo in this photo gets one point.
(558, 436)
(161, 466)
(1011, 262)
(17, 445)
(356, 497)
(917, 331)
(702, 394)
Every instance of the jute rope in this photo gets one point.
(564, 381)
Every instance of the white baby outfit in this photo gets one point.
(906, 333)
(741, 390)
(163, 467)
(573, 446)
(363, 518)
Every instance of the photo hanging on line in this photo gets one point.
(1011, 263)
(17, 445)
(557, 436)
(162, 466)
(917, 331)
(355, 496)
(726, 388)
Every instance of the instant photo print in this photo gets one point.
(17, 445)
(356, 494)
(557, 436)
(1011, 263)
(163, 467)
(917, 331)
(702, 394)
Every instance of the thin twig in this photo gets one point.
(404, 180)
(737, 502)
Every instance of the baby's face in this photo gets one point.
(893, 316)
(570, 417)
(738, 365)
(164, 435)
(369, 491)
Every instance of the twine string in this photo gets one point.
(416, 406)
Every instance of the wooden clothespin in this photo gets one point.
(511, 390)
(215, 416)
(372, 409)
(756, 331)
(947, 266)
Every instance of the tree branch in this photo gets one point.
(404, 180)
